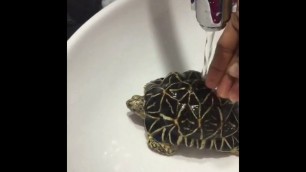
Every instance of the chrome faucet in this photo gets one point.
(213, 15)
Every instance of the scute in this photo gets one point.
(171, 78)
(152, 100)
(211, 122)
(187, 122)
(178, 90)
(231, 119)
(169, 107)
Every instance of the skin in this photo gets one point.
(223, 73)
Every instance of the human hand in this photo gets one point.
(223, 73)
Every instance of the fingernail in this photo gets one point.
(234, 98)
(233, 70)
(221, 94)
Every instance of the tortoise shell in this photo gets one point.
(180, 109)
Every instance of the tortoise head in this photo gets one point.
(135, 104)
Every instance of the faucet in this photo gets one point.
(213, 15)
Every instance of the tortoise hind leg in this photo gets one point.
(235, 151)
(162, 148)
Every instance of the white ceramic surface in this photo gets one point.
(110, 58)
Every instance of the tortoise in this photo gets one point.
(181, 110)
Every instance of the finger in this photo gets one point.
(234, 92)
(225, 86)
(233, 69)
(225, 50)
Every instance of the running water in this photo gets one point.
(208, 52)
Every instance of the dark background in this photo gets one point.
(79, 11)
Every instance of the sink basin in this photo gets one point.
(110, 58)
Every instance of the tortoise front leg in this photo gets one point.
(162, 148)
